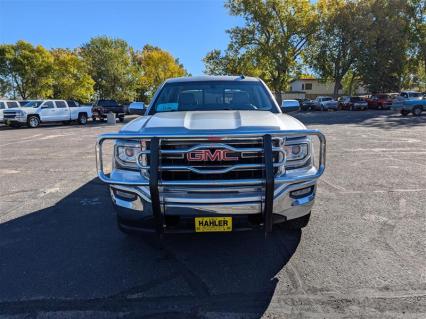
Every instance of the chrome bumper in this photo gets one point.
(242, 201)
(269, 196)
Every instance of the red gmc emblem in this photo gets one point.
(212, 156)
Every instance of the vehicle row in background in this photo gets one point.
(406, 102)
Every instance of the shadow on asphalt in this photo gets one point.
(71, 257)
(373, 118)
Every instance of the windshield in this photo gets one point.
(214, 95)
(356, 99)
(416, 95)
(34, 104)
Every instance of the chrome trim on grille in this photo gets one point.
(285, 178)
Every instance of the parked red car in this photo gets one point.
(380, 102)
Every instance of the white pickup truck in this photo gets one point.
(7, 104)
(212, 153)
(41, 111)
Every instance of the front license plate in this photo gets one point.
(213, 224)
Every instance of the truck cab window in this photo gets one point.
(48, 105)
(60, 104)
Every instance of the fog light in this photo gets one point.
(125, 195)
(302, 192)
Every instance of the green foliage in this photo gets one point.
(383, 44)
(70, 76)
(334, 48)
(270, 41)
(155, 66)
(110, 64)
(26, 70)
(232, 63)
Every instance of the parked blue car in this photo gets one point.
(409, 102)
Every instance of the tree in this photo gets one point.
(110, 64)
(70, 76)
(273, 36)
(333, 50)
(26, 69)
(232, 63)
(414, 76)
(383, 44)
(155, 66)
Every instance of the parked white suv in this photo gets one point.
(39, 111)
(7, 104)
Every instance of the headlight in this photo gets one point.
(298, 152)
(20, 113)
(127, 152)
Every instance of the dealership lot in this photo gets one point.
(362, 255)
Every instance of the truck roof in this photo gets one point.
(203, 78)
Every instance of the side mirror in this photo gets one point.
(288, 106)
(137, 109)
(44, 107)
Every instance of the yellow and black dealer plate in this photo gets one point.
(213, 224)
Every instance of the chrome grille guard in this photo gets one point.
(268, 182)
(222, 144)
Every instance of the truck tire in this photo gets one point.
(417, 110)
(404, 112)
(33, 121)
(82, 119)
(297, 223)
(121, 119)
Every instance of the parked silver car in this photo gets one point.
(325, 103)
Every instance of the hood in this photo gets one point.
(212, 121)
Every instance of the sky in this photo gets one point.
(188, 29)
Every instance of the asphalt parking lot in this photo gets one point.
(363, 254)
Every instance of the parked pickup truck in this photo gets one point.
(41, 111)
(212, 153)
(7, 104)
(102, 107)
(409, 102)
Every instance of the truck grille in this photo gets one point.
(219, 159)
(9, 114)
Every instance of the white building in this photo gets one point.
(315, 87)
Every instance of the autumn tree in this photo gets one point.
(333, 50)
(155, 66)
(383, 44)
(70, 76)
(26, 69)
(110, 64)
(273, 36)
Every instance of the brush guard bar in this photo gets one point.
(268, 165)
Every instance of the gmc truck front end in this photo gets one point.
(212, 181)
